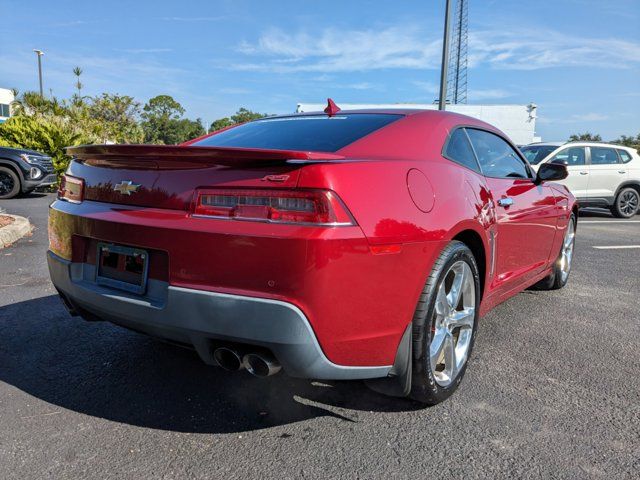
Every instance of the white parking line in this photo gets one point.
(582, 222)
(616, 247)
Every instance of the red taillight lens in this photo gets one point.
(71, 189)
(315, 207)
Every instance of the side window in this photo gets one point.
(624, 156)
(459, 150)
(496, 157)
(570, 156)
(4, 110)
(603, 156)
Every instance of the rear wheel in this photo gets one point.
(444, 325)
(9, 183)
(562, 267)
(626, 204)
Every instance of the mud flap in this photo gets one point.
(398, 382)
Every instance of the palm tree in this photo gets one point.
(77, 71)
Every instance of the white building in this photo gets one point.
(6, 97)
(517, 121)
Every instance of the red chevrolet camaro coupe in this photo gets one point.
(337, 245)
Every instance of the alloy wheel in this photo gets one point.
(452, 327)
(566, 254)
(628, 203)
(6, 183)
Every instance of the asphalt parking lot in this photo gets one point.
(552, 390)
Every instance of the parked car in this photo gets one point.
(600, 174)
(346, 245)
(22, 170)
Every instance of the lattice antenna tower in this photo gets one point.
(458, 53)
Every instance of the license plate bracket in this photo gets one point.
(121, 267)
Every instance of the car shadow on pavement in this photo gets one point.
(595, 212)
(105, 371)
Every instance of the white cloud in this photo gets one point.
(573, 119)
(360, 86)
(145, 50)
(488, 94)
(235, 91)
(409, 47)
(335, 50)
(193, 19)
(428, 87)
(534, 48)
(589, 117)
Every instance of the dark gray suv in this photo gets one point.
(22, 170)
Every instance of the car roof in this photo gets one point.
(545, 144)
(577, 144)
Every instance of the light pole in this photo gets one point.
(442, 102)
(39, 54)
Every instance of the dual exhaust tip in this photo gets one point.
(261, 364)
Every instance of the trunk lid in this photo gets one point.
(164, 176)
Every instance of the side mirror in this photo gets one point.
(548, 172)
(559, 161)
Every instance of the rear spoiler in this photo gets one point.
(144, 156)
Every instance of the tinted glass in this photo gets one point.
(4, 110)
(305, 132)
(496, 157)
(536, 153)
(459, 150)
(624, 156)
(570, 156)
(603, 156)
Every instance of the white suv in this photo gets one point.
(600, 174)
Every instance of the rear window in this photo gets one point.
(319, 133)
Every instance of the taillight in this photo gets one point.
(71, 189)
(310, 207)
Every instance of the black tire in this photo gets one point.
(9, 183)
(556, 279)
(425, 388)
(626, 204)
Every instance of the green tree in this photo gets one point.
(48, 135)
(114, 118)
(160, 116)
(163, 106)
(77, 99)
(34, 104)
(585, 137)
(628, 141)
(220, 124)
(241, 116)
(187, 129)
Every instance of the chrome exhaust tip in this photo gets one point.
(261, 364)
(228, 359)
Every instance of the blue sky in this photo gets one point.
(579, 60)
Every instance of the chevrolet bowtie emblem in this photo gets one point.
(126, 187)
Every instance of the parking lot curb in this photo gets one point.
(14, 231)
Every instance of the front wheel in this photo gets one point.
(444, 325)
(9, 183)
(626, 204)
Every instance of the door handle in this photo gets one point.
(584, 173)
(505, 202)
(622, 171)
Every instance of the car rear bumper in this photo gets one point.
(203, 319)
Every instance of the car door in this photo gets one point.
(606, 173)
(575, 158)
(525, 213)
